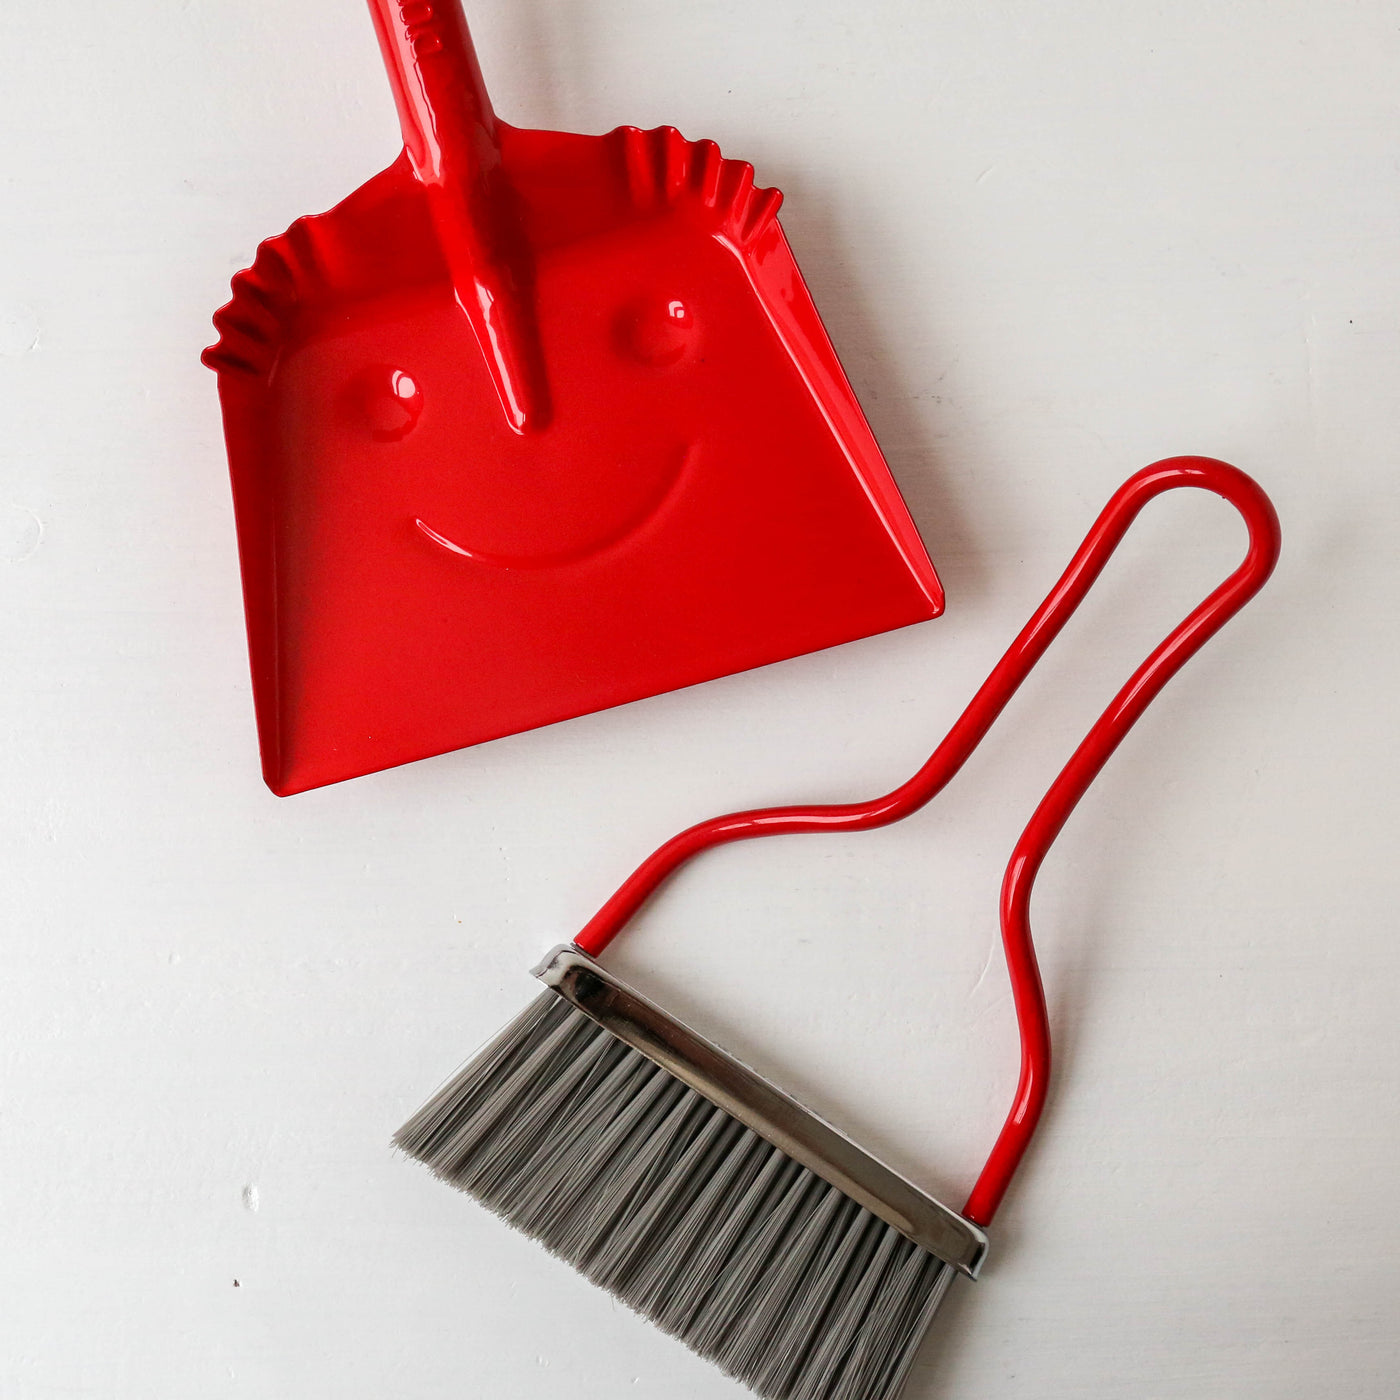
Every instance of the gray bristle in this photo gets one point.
(681, 1211)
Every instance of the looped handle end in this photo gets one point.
(1087, 761)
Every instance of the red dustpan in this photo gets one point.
(533, 424)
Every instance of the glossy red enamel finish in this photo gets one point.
(533, 424)
(1054, 810)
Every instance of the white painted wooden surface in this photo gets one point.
(1053, 241)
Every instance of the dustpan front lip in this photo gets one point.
(762, 1107)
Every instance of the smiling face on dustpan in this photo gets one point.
(693, 492)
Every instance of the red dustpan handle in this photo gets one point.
(451, 136)
(1088, 759)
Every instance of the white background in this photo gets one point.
(1052, 242)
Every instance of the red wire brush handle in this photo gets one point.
(1054, 810)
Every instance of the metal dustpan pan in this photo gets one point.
(533, 424)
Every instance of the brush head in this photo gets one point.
(683, 1211)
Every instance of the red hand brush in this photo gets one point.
(706, 1198)
(533, 424)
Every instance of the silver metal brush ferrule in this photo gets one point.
(764, 1108)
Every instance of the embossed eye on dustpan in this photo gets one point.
(533, 424)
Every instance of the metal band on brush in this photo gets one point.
(764, 1108)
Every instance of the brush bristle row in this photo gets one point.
(681, 1211)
